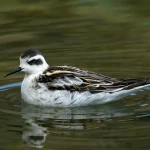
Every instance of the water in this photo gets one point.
(108, 37)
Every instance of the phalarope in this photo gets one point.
(69, 86)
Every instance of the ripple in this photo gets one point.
(9, 86)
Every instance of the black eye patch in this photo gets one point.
(35, 62)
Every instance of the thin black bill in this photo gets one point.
(14, 71)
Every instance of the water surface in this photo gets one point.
(104, 36)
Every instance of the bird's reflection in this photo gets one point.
(40, 121)
(34, 135)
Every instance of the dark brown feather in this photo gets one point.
(92, 82)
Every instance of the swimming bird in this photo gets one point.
(66, 86)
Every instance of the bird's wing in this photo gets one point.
(74, 79)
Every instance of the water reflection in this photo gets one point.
(34, 134)
(39, 121)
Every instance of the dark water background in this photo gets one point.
(111, 37)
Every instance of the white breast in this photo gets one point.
(39, 94)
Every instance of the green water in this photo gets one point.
(111, 37)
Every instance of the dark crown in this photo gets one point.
(30, 53)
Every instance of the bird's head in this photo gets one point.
(31, 62)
